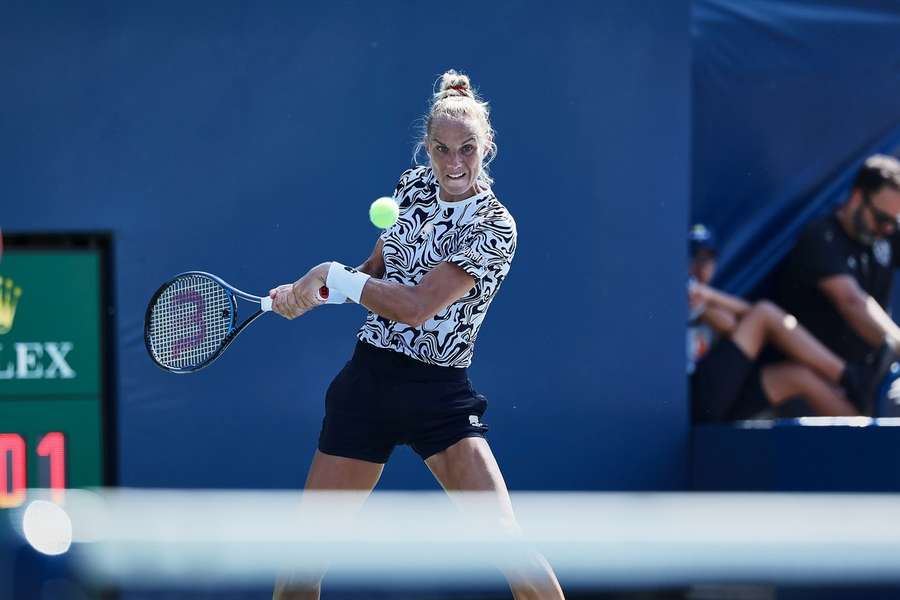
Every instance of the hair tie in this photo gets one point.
(460, 88)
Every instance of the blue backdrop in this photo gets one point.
(788, 100)
(248, 139)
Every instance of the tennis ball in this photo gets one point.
(384, 212)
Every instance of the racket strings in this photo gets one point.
(189, 321)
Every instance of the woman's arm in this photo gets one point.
(285, 306)
(409, 304)
(714, 297)
(374, 265)
(415, 304)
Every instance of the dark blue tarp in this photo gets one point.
(789, 98)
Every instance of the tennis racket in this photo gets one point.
(192, 319)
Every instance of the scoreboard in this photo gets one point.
(56, 418)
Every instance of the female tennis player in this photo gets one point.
(427, 286)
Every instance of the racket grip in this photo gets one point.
(265, 303)
(322, 294)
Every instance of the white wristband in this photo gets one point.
(346, 280)
(335, 297)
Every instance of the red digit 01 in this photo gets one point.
(53, 446)
(12, 471)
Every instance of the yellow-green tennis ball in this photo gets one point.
(384, 212)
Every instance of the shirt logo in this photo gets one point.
(882, 251)
(474, 421)
(473, 255)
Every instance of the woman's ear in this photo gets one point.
(489, 146)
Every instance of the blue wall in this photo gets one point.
(798, 455)
(247, 139)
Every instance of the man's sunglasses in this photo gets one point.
(881, 217)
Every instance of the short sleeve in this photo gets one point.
(818, 255)
(487, 251)
(402, 184)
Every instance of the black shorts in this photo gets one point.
(382, 398)
(726, 386)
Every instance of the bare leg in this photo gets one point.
(787, 380)
(329, 472)
(767, 323)
(469, 465)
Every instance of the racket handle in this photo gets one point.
(265, 303)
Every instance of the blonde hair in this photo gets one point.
(456, 99)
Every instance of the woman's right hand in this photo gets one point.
(698, 293)
(292, 300)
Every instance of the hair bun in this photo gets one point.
(454, 84)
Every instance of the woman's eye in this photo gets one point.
(468, 149)
(442, 149)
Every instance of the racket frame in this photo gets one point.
(229, 337)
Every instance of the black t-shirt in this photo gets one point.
(825, 250)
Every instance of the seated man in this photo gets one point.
(727, 334)
(837, 279)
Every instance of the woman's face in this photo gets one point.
(455, 148)
(703, 266)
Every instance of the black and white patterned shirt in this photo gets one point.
(477, 234)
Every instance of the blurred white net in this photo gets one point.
(596, 540)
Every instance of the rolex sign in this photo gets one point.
(49, 324)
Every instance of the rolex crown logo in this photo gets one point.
(9, 299)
